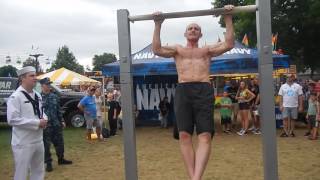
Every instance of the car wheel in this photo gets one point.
(77, 119)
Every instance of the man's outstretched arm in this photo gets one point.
(164, 51)
(228, 44)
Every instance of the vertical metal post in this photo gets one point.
(269, 141)
(124, 41)
(104, 101)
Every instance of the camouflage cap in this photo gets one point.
(45, 81)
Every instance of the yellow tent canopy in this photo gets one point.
(65, 77)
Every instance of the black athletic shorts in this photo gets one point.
(244, 106)
(225, 120)
(194, 107)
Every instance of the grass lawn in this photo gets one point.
(233, 157)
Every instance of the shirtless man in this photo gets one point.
(194, 94)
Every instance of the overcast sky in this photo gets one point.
(89, 27)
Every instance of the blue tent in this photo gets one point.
(240, 59)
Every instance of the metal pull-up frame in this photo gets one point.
(206, 12)
(267, 115)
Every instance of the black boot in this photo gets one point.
(49, 167)
(64, 161)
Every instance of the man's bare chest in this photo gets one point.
(192, 53)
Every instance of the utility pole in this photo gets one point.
(36, 56)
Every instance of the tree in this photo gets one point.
(100, 60)
(88, 68)
(296, 22)
(8, 71)
(244, 23)
(32, 62)
(66, 59)
(309, 36)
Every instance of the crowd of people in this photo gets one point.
(37, 121)
(298, 100)
(240, 99)
(34, 117)
(240, 102)
(92, 107)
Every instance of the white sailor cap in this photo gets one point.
(26, 69)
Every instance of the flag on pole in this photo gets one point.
(245, 40)
(274, 41)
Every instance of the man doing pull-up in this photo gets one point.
(194, 94)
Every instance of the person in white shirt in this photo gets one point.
(26, 116)
(291, 100)
(98, 100)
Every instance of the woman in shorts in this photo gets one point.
(244, 96)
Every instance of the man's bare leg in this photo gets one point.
(98, 131)
(257, 121)
(285, 126)
(202, 154)
(292, 125)
(89, 131)
(186, 147)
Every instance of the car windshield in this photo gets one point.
(55, 87)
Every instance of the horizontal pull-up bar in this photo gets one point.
(206, 12)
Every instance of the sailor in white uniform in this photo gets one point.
(25, 115)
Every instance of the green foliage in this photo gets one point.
(66, 59)
(297, 23)
(8, 71)
(32, 62)
(100, 60)
(244, 23)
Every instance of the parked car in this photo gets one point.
(68, 101)
(7, 86)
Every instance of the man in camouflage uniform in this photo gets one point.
(53, 132)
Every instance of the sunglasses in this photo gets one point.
(93, 90)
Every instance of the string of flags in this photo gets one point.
(274, 40)
(245, 40)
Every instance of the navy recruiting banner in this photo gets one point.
(148, 92)
(7, 86)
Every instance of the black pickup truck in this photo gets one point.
(7, 86)
(68, 101)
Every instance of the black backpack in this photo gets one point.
(105, 133)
